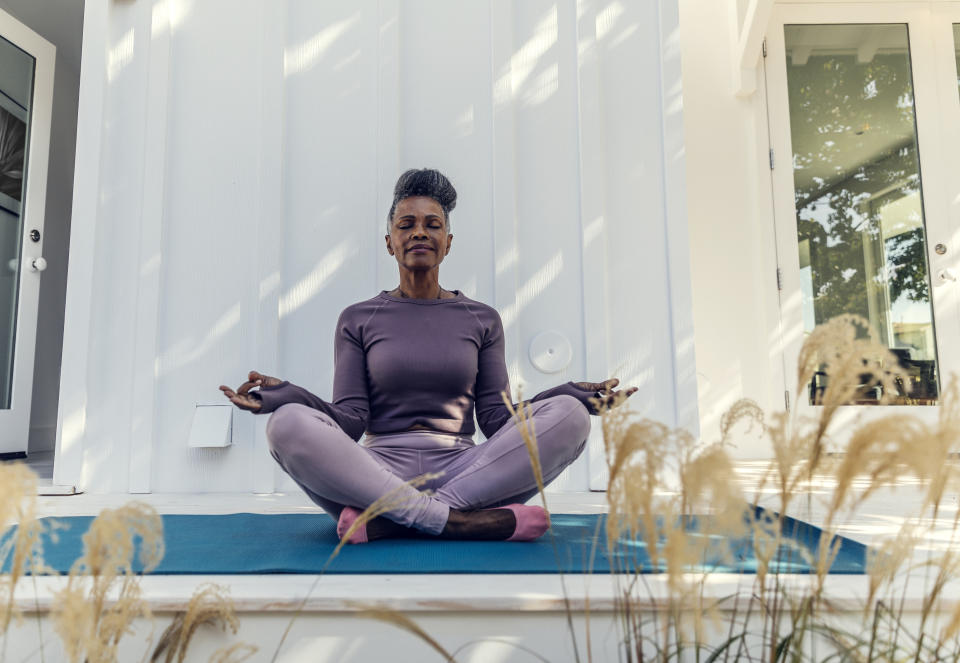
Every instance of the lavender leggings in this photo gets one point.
(335, 471)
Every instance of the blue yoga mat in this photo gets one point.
(252, 543)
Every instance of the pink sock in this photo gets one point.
(532, 521)
(347, 516)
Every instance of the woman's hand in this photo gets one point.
(242, 398)
(610, 399)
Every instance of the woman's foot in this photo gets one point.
(377, 528)
(347, 516)
(513, 522)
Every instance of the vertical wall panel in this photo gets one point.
(329, 189)
(445, 117)
(388, 163)
(149, 253)
(593, 222)
(548, 295)
(637, 249)
(208, 330)
(266, 280)
(75, 402)
(331, 233)
(112, 336)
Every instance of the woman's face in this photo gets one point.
(418, 234)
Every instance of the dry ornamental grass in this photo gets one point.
(660, 480)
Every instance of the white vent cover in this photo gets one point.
(212, 426)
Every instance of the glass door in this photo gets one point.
(16, 93)
(26, 101)
(860, 192)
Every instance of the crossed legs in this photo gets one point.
(335, 471)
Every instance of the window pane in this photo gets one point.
(859, 206)
(956, 49)
(16, 91)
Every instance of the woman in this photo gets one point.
(410, 367)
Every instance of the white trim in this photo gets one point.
(16, 420)
(944, 15)
(767, 247)
(749, 44)
(673, 163)
(270, 230)
(71, 413)
(145, 355)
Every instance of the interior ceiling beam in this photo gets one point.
(868, 47)
(749, 44)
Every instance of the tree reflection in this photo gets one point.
(858, 202)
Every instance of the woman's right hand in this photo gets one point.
(242, 398)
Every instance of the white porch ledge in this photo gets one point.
(479, 593)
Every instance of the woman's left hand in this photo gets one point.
(610, 398)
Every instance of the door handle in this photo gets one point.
(947, 274)
(36, 264)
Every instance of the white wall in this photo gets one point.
(242, 160)
(732, 252)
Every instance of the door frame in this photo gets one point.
(15, 422)
(928, 74)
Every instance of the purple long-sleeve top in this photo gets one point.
(403, 361)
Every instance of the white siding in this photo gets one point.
(732, 249)
(285, 126)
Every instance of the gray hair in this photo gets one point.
(424, 182)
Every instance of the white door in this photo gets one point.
(863, 107)
(26, 97)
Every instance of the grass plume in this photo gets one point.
(89, 625)
(401, 621)
(210, 605)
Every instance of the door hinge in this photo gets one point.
(764, 48)
(771, 158)
(786, 401)
(779, 279)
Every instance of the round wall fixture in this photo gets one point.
(550, 352)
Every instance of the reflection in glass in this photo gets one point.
(858, 201)
(956, 49)
(16, 92)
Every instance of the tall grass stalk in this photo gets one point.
(391, 500)
(23, 552)
(523, 419)
(209, 606)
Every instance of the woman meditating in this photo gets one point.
(410, 368)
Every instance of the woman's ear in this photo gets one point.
(389, 246)
(449, 242)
